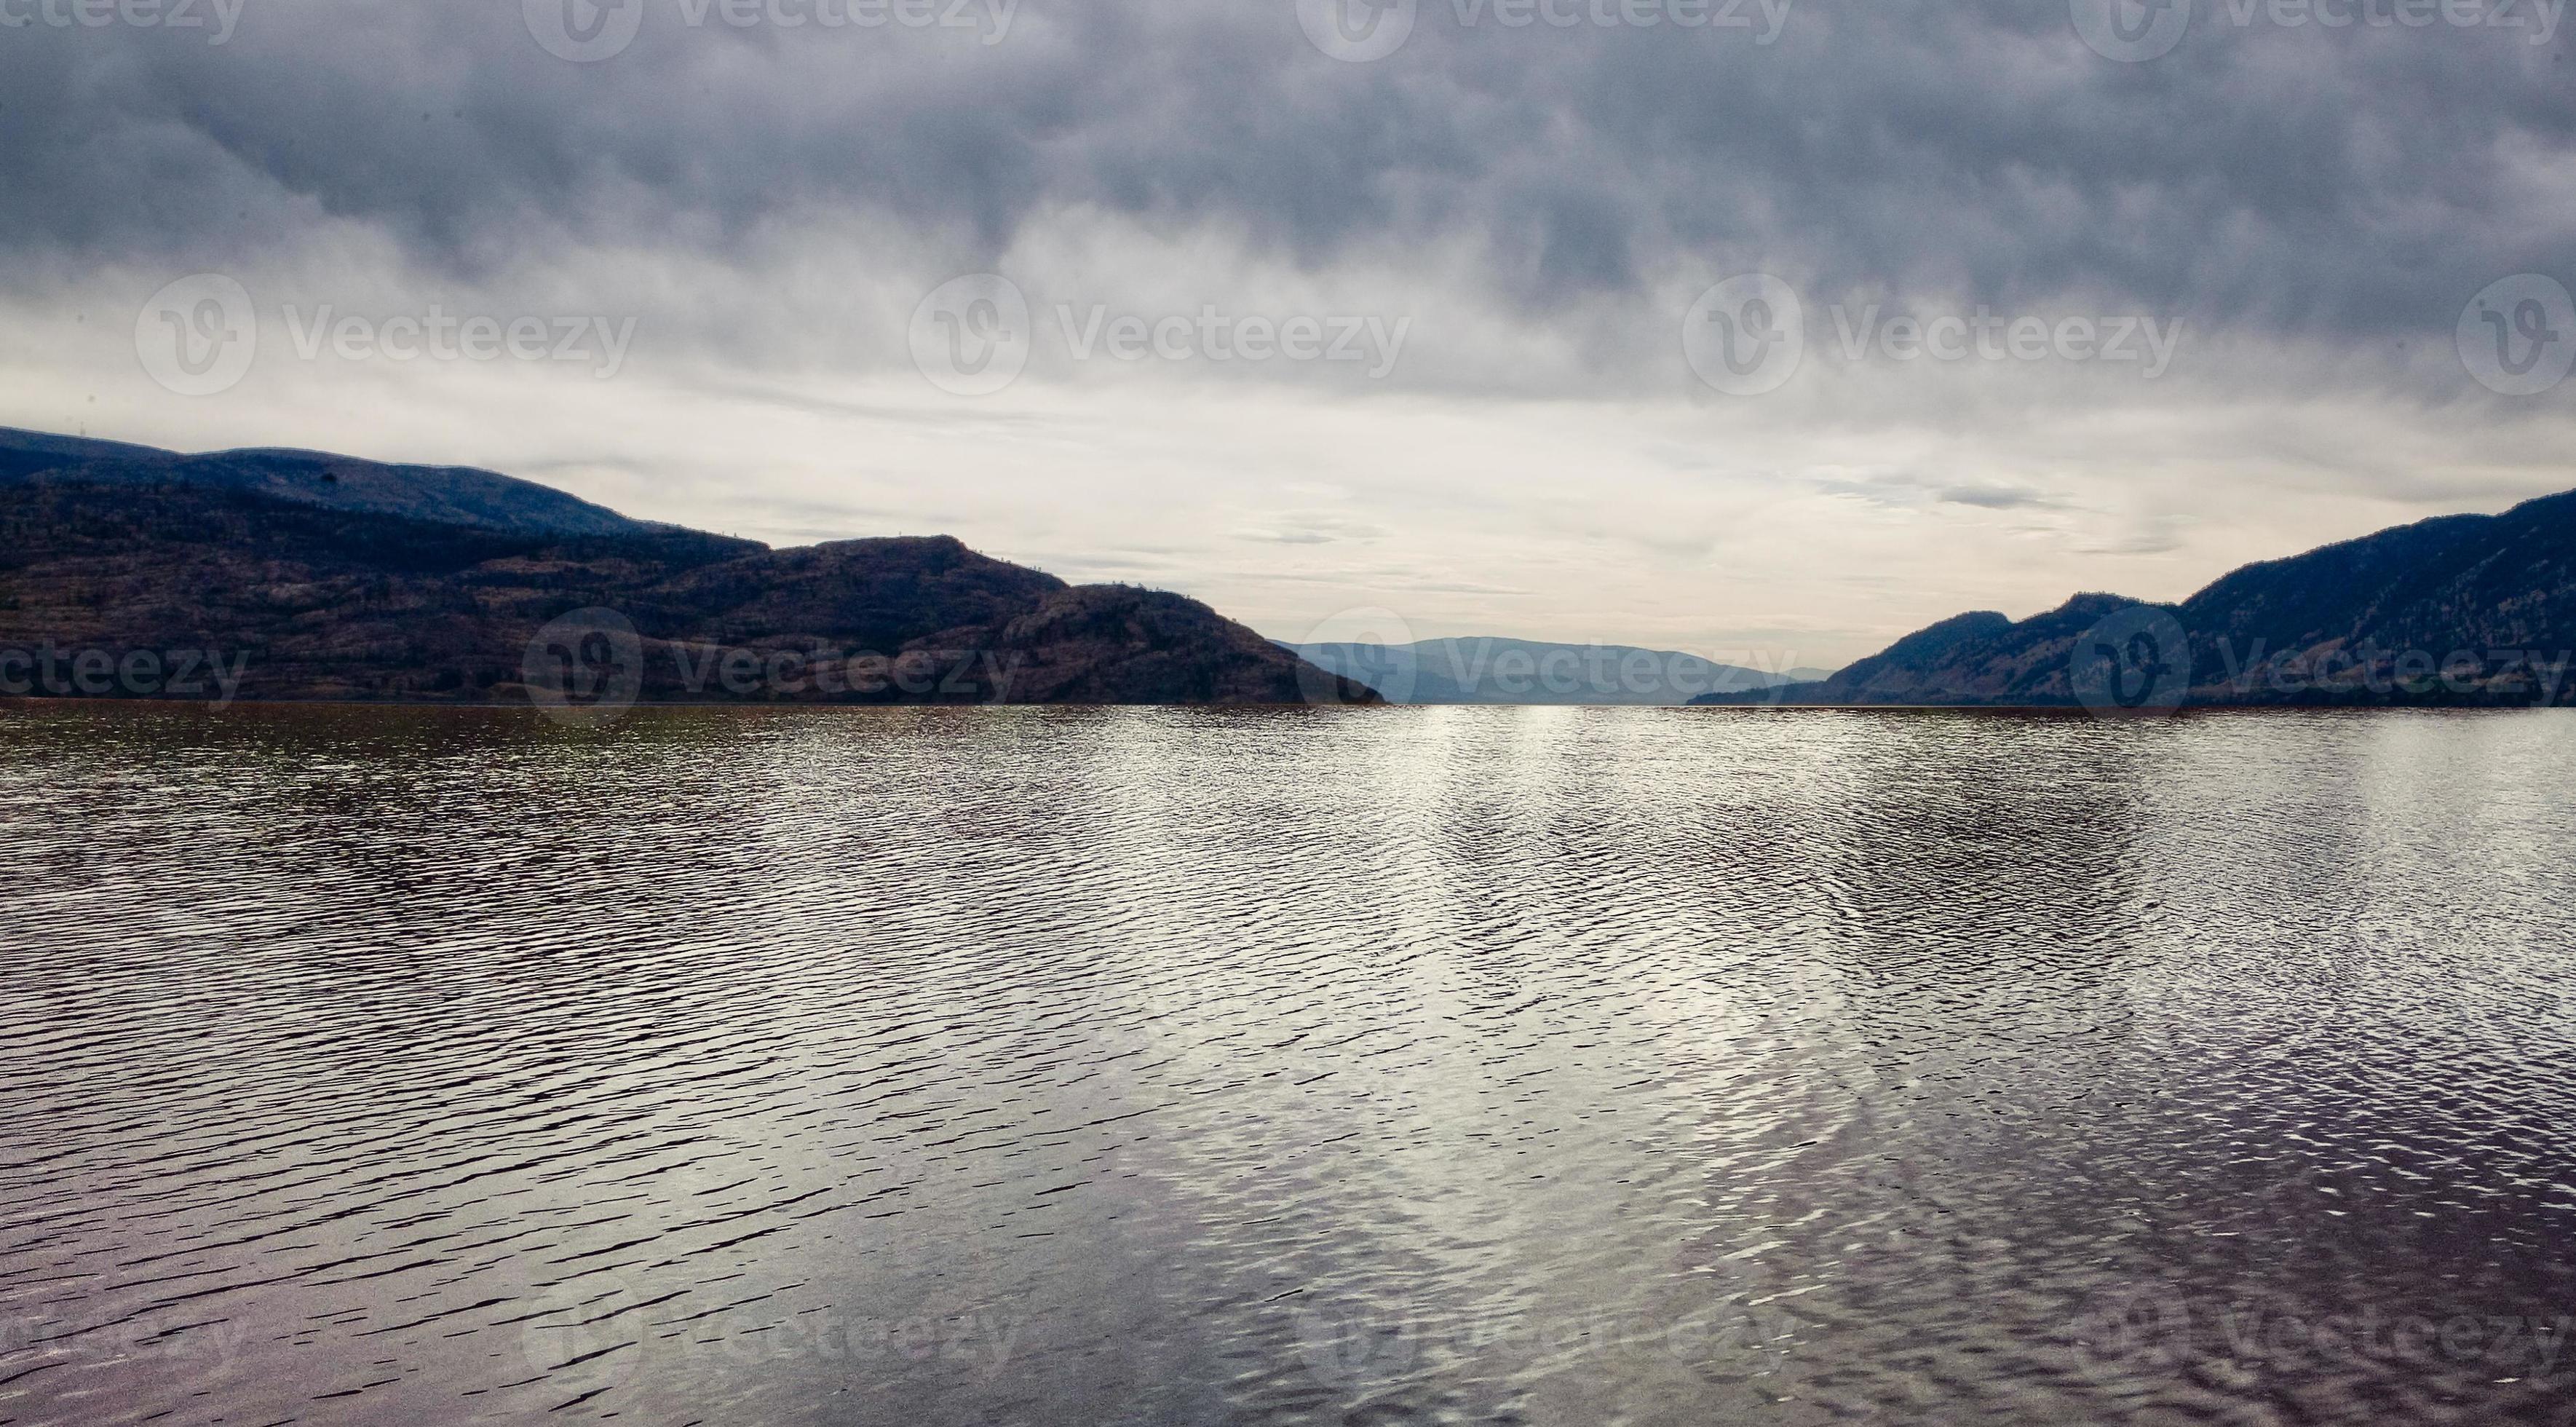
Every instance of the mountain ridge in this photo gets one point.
(448, 584)
(2475, 610)
(460, 495)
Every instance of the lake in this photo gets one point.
(1412, 1065)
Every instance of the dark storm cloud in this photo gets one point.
(2277, 179)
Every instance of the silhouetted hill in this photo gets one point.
(327, 595)
(454, 495)
(2464, 609)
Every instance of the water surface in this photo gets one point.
(1478, 1065)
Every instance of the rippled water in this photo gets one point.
(1553, 1066)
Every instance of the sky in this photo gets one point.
(1765, 329)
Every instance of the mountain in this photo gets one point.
(454, 495)
(2466, 610)
(1520, 671)
(312, 576)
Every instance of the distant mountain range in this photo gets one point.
(1520, 671)
(2465, 610)
(311, 576)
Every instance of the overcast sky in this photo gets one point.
(1445, 310)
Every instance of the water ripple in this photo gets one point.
(1434, 1065)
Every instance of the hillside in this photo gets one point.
(424, 583)
(2459, 610)
(453, 495)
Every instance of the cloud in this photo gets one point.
(2284, 180)
(1988, 497)
(1541, 204)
